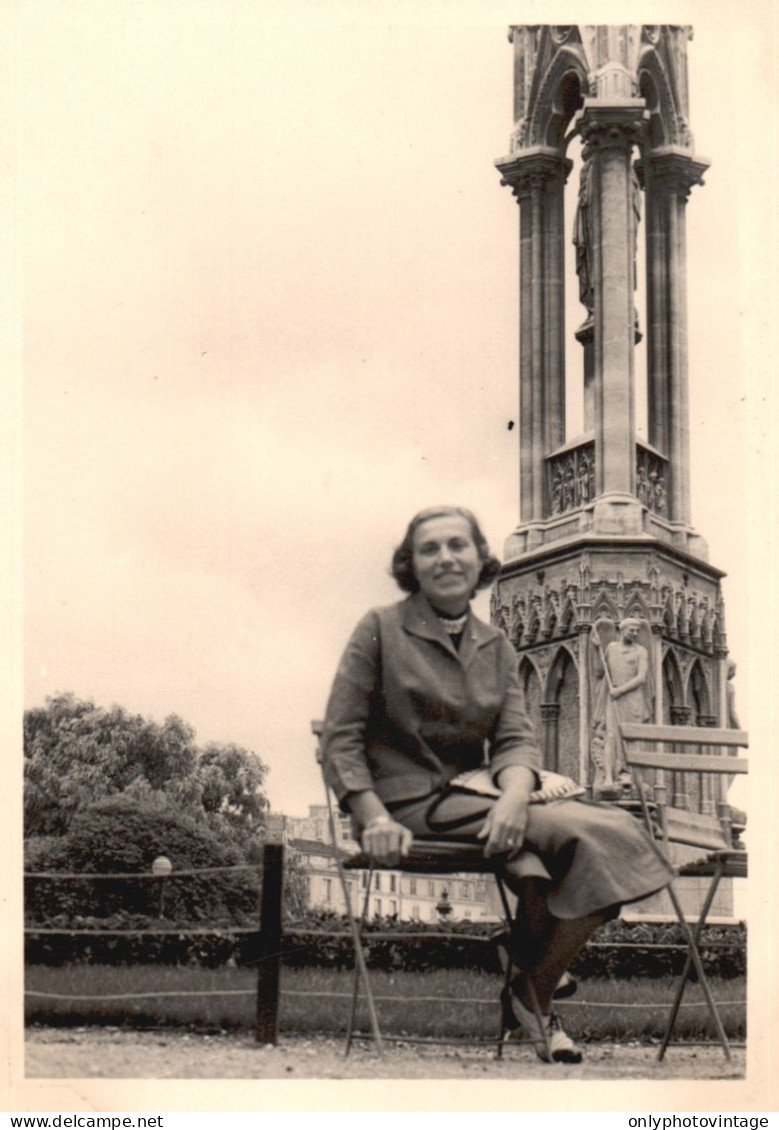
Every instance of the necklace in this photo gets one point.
(453, 627)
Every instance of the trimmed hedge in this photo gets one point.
(618, 949)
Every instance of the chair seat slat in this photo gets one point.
(697, 735)
(686, 762)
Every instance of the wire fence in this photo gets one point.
(270, 949)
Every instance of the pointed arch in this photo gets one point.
(533, 625)
(604, 608)
(636, 606)
(559, 94)
(561, 714)
(699, 694)
(567, 617)
(530, 683)
(655, 82)
(673, 685)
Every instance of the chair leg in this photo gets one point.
(505, 994)
(360, 968)
(539, 1016)
(504, 997)
(682, 984)
(693, 957)
(361, 974)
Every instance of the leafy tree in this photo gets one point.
(76, 754)
(122, 835)
(231, 781)
(107, 791)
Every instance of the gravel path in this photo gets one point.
(54, 1053)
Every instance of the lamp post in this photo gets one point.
(443, 906)
(162, 866)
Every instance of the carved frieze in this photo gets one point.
(531, 610)
(571, 478)
(652, 480)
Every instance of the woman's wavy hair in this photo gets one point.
(402, 567)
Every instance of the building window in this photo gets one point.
(328, 890)
(412, 886)
(393, 907)
(377, 908)
(415, 912)
(431, 889)
(377, 881)
(433, 915)
(364, 880)
(393, 882)
(465, 891)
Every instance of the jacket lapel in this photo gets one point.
(476, 636)
(420, 620)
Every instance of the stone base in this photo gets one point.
(691, 891)
(609, 516)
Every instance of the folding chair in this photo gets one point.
(428, 857)
(645, 748)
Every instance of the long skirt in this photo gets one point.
(594, 856)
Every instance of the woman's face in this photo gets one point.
(446, 562)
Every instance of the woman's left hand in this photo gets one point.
(504, 828)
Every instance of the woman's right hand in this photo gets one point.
(385, 841)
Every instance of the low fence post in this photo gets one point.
(269, 944)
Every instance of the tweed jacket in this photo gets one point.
(408, 711)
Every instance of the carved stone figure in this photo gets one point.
(584, 482)
(557, 490)
(642, 486)
(730, 692)
(569, 489)
(582, 238)
(659, 496)
(622, 692)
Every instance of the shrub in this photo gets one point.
(121, 835)
(323, 941)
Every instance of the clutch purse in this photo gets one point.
(554, 786)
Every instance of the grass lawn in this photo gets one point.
(446, 1003)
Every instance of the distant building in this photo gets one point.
(409, 898)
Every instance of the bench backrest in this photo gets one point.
(708, 753)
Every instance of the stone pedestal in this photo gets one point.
(605, 528)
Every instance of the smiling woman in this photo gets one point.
(425, 692)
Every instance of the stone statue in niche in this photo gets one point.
(730, 693)
(621, 681)
(584, 481)
(569, 488)
(642, 486)
(557, 490)
(659, 496)
(582, 239)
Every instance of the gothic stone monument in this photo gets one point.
(605, 532)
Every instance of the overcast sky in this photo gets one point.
(270, 299)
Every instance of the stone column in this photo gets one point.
(656, 289)
(671, 174)
(722, 689)
(585, 335)
(554, 303)
(583, 630)
(609, 133)
(680, 716)
(550, 714)
(537, 179)
(708, 785)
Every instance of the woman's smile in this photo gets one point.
(446, 562)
